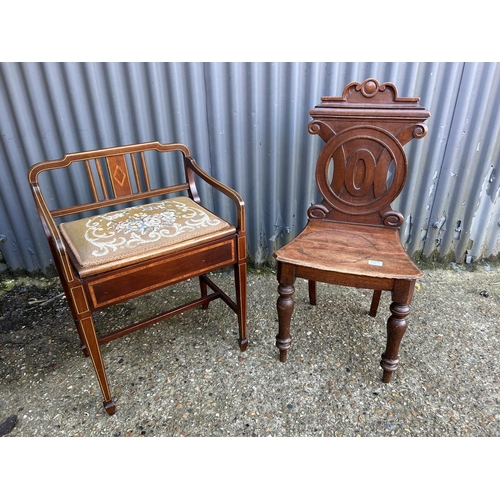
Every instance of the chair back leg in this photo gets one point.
(312, 292)
(375, 303)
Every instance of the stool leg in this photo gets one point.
(86, 328)
(203, 289)
(240, 275)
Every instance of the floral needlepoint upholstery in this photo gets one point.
(139, 232)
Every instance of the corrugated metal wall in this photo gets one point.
(246, 124)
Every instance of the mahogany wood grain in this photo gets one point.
(121, 175)
(352, 234)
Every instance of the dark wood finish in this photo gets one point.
(116, 176)
(352, 235)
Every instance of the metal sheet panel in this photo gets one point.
(463, 224)
(246, 124)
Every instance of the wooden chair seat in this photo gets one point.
(113, 239)
(337, 247)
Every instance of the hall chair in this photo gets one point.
(352, 236)
(133, 223)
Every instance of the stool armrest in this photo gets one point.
(52, 233)
(192, 167)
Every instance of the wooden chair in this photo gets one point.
(352, 236)
(157, 234)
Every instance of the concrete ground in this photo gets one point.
(187, 377)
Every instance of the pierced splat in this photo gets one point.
(363, 167)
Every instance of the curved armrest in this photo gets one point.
(193, 167)
(52, 233)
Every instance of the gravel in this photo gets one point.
(187, 377)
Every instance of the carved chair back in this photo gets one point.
(362, 168)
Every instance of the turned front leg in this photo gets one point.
(396, 328)
(286, 280)
(285, 309)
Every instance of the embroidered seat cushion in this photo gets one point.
(103, 242)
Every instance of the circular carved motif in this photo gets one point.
(370, 87)
(360, 170)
